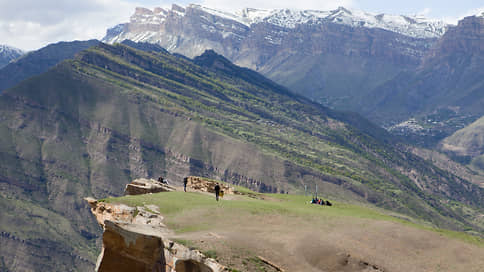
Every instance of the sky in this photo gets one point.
(32, 24)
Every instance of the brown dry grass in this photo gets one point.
(335, 244)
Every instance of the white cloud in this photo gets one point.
(455, 19)
(293, 4)
(424, 12)
(31, 24)
(477, 11)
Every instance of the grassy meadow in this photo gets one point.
(282, 228)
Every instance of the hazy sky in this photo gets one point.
(31, 24)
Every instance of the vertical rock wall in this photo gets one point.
(135, 239)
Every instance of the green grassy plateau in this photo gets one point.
(282, 228)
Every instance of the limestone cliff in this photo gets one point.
(447, 86)
(135, 239)
(322, 58)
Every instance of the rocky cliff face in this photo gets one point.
(388, 68)
(135, 239)
(465, 38)
(332, 56)
(446, 89)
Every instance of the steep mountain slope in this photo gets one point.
(450, 162)
(451, 77)
(37, 62)
(401, 72)
(467, 144)
(8, 54)
(90, 125)
(449, 82)
(335, 57)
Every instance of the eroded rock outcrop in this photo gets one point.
(142, 216)
(146, 186)
(127, 249)
(182, 259)
(207, 185)
(135, 239)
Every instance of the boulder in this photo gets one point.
(107, 211)
(145, 186)
(207, 185)
(182, 259)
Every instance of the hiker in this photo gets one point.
(185, 181)
(163, 180)
(217, 191)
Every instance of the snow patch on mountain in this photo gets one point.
(414, 26)
(5, 49)
(232, 24)
(8, 54)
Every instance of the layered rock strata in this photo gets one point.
(135, 239)
(333, 57)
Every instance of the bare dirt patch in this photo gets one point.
(326, 244)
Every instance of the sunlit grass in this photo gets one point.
(173, 204)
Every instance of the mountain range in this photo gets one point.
(39, 61)
(8, 54)
(90, 125)
(259, 98)
(388, 68)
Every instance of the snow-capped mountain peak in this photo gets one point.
(8, 54)
(413, 26)
(5, 49)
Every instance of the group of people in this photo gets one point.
(219, 193)
(320, 201)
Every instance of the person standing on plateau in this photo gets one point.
(217, 191)
(185, 181)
